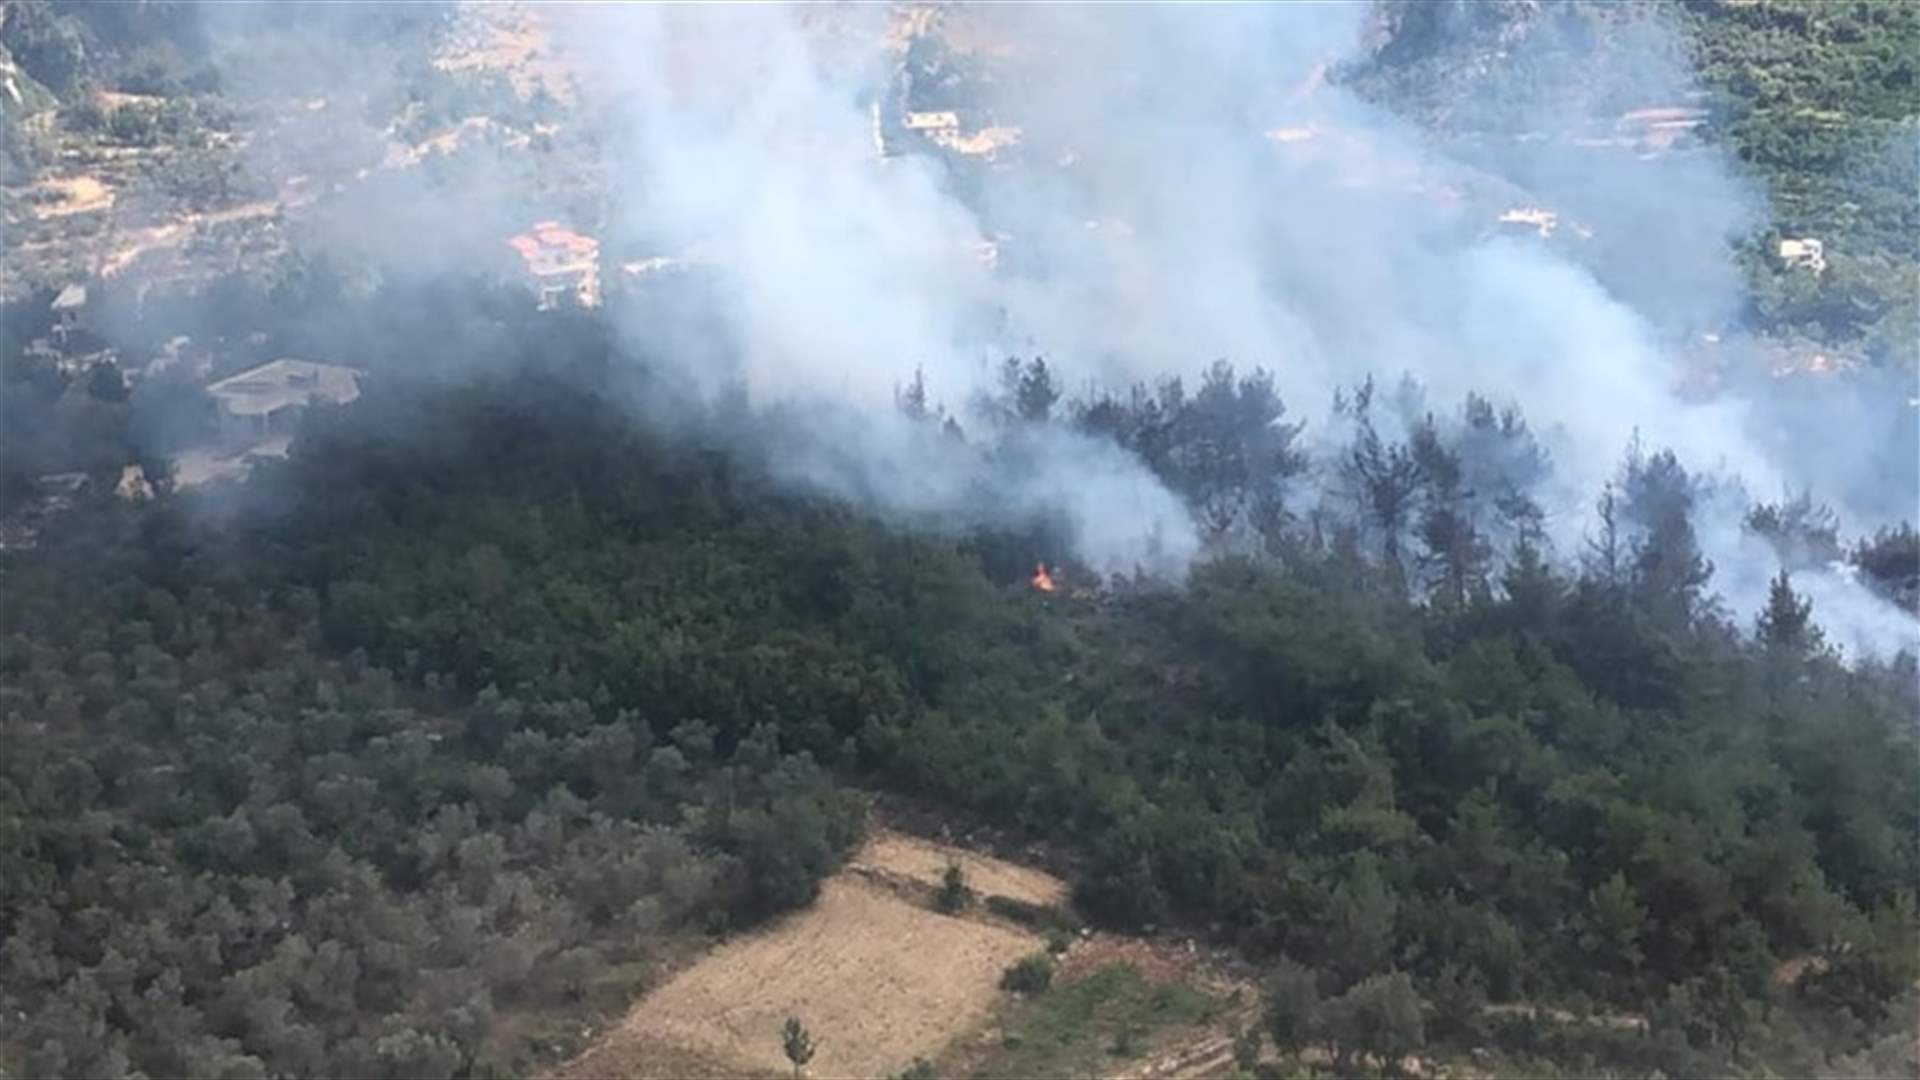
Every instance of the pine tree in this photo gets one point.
(1612, 927)
(1034, 392)
(1603, 547)
(798, 1042)
(1385, 477)
(1787, 621)
(1668, 568)
(953, 893)
(1292, 1006)
(912, 398)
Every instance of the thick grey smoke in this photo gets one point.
(842, 270)
(1187, 184)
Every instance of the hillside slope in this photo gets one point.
(488, 701)
(1821, 101)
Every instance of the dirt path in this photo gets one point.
(138, 243)
(1209, 1055)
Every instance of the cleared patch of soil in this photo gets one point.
(68, 195)
(926, 862)
(139, 243)
(878, 978)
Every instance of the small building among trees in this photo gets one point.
(564, 264)
(1805, 252)
(67, 308)
(268, 400)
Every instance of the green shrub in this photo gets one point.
(133, 125)
(1030, 975)
(954, 895)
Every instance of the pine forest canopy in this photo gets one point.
(438, 721)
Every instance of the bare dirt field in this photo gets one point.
(64, 196)
(876, 976)
(926, 862)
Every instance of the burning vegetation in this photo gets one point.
(1042, 580)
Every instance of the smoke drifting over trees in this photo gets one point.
(1189, 480)
(1147, 226)
(1185, 186)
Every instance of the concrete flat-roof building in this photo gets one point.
(931, 121)
(267, 400)
(1805, 251)
(67, 307)
(71, 298)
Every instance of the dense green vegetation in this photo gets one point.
(289, 844)
(493, 699)
(1823, 100)
(490, 697)
(170, 48)
(1086, 1027)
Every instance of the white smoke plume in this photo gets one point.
(1189, 183)
(1148, 224)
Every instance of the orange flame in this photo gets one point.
(1041, 579)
